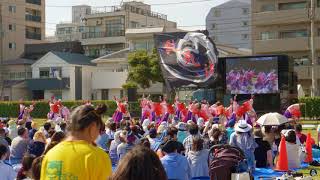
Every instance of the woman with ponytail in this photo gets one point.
(78, 157)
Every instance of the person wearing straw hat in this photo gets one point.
(243, 138)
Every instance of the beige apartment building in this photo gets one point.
(23, 22)
(283, 27)
(105, 27)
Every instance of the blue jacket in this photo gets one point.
(36, 148)
(102, 141)
(176, 166)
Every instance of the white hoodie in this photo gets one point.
(198, 162)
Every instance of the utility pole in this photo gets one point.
(314, 88)
(2, 69)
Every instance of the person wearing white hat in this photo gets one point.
(243, 138)
(182, 131)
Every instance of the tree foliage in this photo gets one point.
(144, 68)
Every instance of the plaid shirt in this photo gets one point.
(187, 143)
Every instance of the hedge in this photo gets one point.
(310, 107)
(11, 108)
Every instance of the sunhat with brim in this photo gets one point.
(242, 126)
(181, 126)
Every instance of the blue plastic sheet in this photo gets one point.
(316, 153)
(268, 173)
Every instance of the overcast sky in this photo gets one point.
(184, 14)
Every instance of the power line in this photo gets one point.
(156, 4)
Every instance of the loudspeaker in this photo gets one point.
(132, 94)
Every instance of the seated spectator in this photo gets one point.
(127, 143)
(140, 163)
(294, 152)
(36, 168)
(63, 126)
(216, 136)
(198, 159)
(230, 128)
(182, 131)
(263, 153)
(50, 134)
(26, 172)
(33, 130)
(103, 139)
(38, 145)
(243, 139)
(171, 135)
(55, 140)
(194, 132)
(302, 137)
(19, 145)
(13, 130)
(3, 141)
(154, 142)
(47, 127)
(144, 142)
(6, 136)
(175, 165)
(6, 171)
(268, 134)
(111, 130)
(113, 148)
(77, 156)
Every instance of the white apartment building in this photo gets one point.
(66, 76)
(230, 23)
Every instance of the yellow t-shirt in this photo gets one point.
(76, 160)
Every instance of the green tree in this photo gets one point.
(144, 68)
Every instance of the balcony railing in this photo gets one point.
(37, 2)
(89, 35)
(34, 18)
(33, 35)
(48, 84)
(128, 8)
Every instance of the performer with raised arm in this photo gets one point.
(24, 117)
(54, 109)
(145, 105)
(64, 112)
(121, 110)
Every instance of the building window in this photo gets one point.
(104, 94)
(245, 11)
(245, 23)
(44, 72)
(213, 26)
(268, 35)
(81, 28)
(267, 7)
(12, 45)
(244, 36)
(12, 9)
(6, 98)
(115, 27)
(318, 2)
(94, 53)
(12, 27)
(53, 72)
(217, 13)
(293, 5)
(134, 24)
(293, 34)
